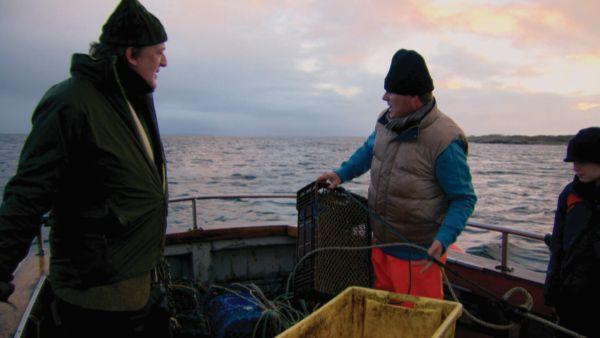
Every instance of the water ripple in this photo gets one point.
(516, 185)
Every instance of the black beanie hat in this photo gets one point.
(585, 146)
(408, 74)
(132, 25)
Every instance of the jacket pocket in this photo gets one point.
(103, 220)
(90, 259)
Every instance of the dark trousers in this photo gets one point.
(578, 317)
(76, 322)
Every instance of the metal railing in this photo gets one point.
(224, 197)
(506, 232)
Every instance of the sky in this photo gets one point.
(316, 68)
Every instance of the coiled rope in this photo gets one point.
(276, 315)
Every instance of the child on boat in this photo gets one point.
(573, 275)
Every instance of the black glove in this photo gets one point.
(6, 289)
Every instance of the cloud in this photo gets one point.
(456, 82)
(523, 22)
(521, 113)
(585, 106)
(344, 91)
(284, 67)
(308, 65)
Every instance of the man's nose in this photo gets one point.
(163, 61)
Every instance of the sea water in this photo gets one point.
(516, 185)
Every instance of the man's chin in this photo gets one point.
(152, 84)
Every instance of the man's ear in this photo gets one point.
(415, 102)
(131, 60)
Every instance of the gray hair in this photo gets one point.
(99, 50)
(425, 98)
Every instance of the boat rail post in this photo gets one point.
(504, 263)
(195, 213)
(40, 242)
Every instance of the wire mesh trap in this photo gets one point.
(329, 218)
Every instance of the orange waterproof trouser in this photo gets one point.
(404, 276)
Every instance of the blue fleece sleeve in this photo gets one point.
(359, 163)
(454, 177)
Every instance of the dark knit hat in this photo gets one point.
(132, 25)
(585, 146)
(408, 74)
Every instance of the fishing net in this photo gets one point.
(329, 218)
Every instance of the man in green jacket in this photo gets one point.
(94, 161)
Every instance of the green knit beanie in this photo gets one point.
(132, 25)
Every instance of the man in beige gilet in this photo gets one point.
(420, 180)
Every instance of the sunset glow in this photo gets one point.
(505, 67)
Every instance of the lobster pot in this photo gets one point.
(329, 218)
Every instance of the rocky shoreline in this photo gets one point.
(521, 139)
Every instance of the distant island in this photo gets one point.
(521, 139)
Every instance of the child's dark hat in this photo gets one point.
(585, 146)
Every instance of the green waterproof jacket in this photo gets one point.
(85, 164)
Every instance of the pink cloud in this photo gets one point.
(550, 23)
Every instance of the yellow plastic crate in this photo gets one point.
(361, 312)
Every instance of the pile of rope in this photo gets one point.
(277, 315)
(190, 316)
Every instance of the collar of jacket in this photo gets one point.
(103, 74)
(410, 130)
(100, 72)
(588, 191)
(133, 83)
